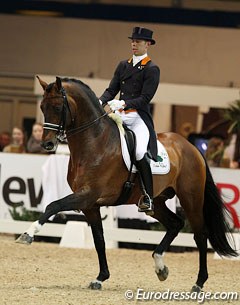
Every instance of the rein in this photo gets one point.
(84, 126)
(60, 128)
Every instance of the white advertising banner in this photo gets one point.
(228, 182)
(20, 181)
(33, 181)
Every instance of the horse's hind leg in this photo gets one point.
(94, 219)
(194, 213)
(200, 237)
(201, 242)
(173, 224)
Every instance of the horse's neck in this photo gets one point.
(102, 138)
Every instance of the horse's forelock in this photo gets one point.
(49, 88)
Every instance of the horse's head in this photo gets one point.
(71, 108)
(57, 113)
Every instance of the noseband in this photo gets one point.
(60, 128)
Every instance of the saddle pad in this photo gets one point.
(158, 168)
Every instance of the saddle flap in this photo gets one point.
(160, 167)
(130, 138)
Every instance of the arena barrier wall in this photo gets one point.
(25, 180)
(77, 234)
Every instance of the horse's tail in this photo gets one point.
(215, 214)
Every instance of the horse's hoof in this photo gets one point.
(163, 274)
(196, 288)
(96, 285)
(24, 239)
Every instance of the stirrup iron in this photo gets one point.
(145, 203)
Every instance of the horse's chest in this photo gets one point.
(76, 176)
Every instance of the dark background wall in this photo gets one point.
(198, 43)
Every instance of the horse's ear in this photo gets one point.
(42, 83)
(58, 83)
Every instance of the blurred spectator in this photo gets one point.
(214, 152)
(186, 129)
(236, 156)
(231, 152)
(17, 142)
(232, 116)
(5, 139)
(34, 142)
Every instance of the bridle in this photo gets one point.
(60, 128)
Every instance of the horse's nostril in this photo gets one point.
(49, 145)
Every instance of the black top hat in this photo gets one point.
(142, 34)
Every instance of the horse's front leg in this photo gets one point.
(76, 201)
(94, 219)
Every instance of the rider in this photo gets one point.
(137, 79)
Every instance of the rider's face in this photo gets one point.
(139, 47)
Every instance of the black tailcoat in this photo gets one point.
(137, 86)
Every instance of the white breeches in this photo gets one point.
(137, 125)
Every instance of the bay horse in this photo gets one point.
(97, 172)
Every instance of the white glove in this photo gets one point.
(116, 104)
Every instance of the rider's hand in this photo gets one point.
(116, 104)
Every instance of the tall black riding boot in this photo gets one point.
(145, 172)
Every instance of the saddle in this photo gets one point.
(128, 144)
